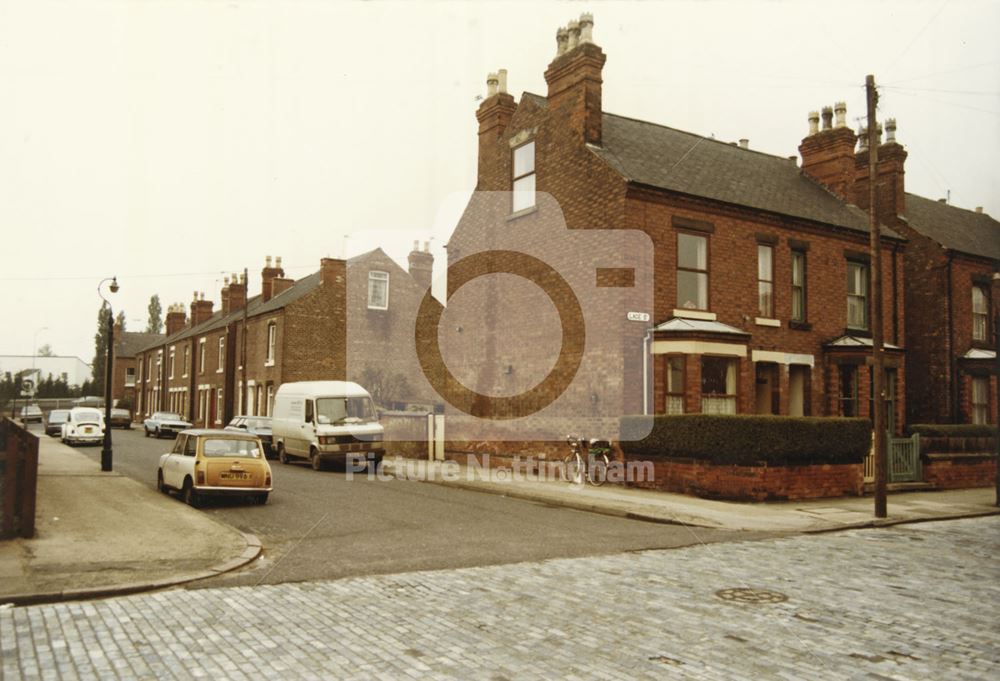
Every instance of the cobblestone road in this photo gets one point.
(910, 602)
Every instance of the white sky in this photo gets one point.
(168, 143)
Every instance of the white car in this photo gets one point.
(83, 425)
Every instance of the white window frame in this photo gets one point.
(980, 313)
(979, 400)
(272, 341)
(170, 362)
(130, 383)
(375, 279)
(523, 180)
(270, 400)
(187, 361)
(702, 272)
(765, 281)
(222, 355)
(862, 295)
(218, 405)
(201, 355)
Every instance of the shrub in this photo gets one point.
(953, 430)
(749, 440)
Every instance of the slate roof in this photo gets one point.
(857, 342)
(255, 306)
(955, 228)
(130, 343)
(677, 324)
(666, 158)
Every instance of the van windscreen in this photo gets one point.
(340, 410)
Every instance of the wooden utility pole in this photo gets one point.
(878, 354)
(243, 344)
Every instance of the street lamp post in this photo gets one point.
(106, 454)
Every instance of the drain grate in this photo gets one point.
(748, 595)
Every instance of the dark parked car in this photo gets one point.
(31, 413)
(255, 425)
(54, 422)
(121, 418)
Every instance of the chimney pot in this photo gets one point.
(890, 131)
(744, 143)
(427, 247)
(574, 35)
(827, 117)
(562, 40)
(277, 262)
(840, 109)
(813, 122)
(878, 134)
(586, 28)
(267, 261)
(502, 80)
(942, 200)
(492, 84)
(863, 137)
(979, 209)
(416, 244)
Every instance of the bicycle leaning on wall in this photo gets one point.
(588, 459)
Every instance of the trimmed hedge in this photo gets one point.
(953, 430)
(745, 440)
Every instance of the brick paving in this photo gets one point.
(909, 602)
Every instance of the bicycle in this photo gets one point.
(594, 466)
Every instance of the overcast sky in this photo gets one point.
(168, 143)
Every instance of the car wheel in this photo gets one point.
(315, 460)
(145, 430)
(189, 494)
(159, 482)
(157, 433)
(282, 454)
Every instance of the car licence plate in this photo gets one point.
(234, 475)
(88, 431)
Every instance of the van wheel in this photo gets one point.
(282, 455)
(314, 458)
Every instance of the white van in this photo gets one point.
(326, 421)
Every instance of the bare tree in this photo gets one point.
(385, 387)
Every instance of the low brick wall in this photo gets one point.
(960, 470)
(755, 483)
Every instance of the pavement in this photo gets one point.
(98, 534)
(820, 515)
(911, 601)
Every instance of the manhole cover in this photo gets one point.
(748, 595)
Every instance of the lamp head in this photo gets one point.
(114, 285)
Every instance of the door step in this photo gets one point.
(901, 487)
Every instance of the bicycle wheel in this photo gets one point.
(572, 468)
(597, 473)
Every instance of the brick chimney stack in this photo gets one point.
(494, 116)
(237, 292)
(224, 295)
(175, 318)
(421, 265)
(828, 154)
(267, 276)
(891, 190)
(574, 78)
(201, 309)
(332, 272)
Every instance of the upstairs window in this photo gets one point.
(692, 272)
(980, 314)
(765, 280)
(857, 295)
(222, 354)
(272, 337)
(130, 376)
(798, 286)
(201, 356)
(170, 363)
(187, 360)
(524, 177)
(378, 290)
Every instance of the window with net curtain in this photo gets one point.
(765, 280)
(857, 295)
(980, 399)
(692, 271)
(980, 314)
(718, 385)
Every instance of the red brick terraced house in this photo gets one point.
(124, 364)
(295, 331)
(761, 291)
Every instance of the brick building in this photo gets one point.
(124, 364)
(760, 293)
(295, 331)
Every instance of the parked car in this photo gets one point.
(31, 413)
(55, 420)
(121, 418)
(210, 462)
(327, 421)
(254, 425)
(164, 423)
(84, 425)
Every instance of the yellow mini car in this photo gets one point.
(215, 462)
